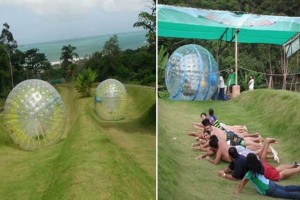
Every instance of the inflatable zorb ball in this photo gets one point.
(111, 100)
(34, 114)
(191, 74)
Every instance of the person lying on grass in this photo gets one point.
(213, 120)
(198, 125)
(220, 149)
(251, 143)
(199, 128)
(240, 130)
(237, 168)
(264, 186)
(202, 144)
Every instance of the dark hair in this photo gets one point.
(208, 133)
(203, 114)
(211, 112)
(253, 164)
(205, 122)
(233, 152)
(214, 137)
(213, 143)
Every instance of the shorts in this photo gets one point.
(234, 139)
(242, 150)
(271, 173)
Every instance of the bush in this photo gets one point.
(83, 82)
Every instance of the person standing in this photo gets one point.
(231, 80)
(221, 88)
(251, 83)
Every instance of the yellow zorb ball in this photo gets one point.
(34, 114)
(111, 100)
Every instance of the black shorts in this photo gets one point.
(234, 139)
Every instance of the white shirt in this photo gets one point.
(251, 84)
(221, 82)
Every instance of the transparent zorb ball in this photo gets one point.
(111, 100)
(191, 74)
(34, 114)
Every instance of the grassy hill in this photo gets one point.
(272, 113)
(96, 159)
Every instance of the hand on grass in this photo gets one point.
(221, 173)
(236, 192)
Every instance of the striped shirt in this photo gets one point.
(213, 120)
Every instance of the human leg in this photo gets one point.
(221, 94)
(252, 145)
(289, 191)
(289, 172)
(264, 151)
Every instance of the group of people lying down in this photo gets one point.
(247, 154)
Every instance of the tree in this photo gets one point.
(83, 82)
(110, 57)
(148, 22)
(36, 62)
(67, 55)
(7, 39)
(4, 73)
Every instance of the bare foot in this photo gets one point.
(245, 128)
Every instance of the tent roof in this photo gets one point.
(184, 22)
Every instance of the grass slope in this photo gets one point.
(273, 113)
(95, 159)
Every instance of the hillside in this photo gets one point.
(95, 159)
(272, 113)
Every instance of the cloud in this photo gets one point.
(70, 9)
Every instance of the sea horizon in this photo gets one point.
(87, 45)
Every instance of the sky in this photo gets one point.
(34, 21)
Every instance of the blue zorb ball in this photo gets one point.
(191, 74)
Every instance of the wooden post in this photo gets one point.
(236, 56)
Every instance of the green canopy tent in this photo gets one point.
(184, 22)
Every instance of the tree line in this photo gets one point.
(260, 60)
(128, 66)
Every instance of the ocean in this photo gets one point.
(88, 45)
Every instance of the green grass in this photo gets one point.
(272, 113)
(96, 159)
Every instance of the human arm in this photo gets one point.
(241, 186)
(208, 153)
(217, 158)
(226, 174)
(197, 123)
(204, 147)
(229, 176)
(197, 126)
